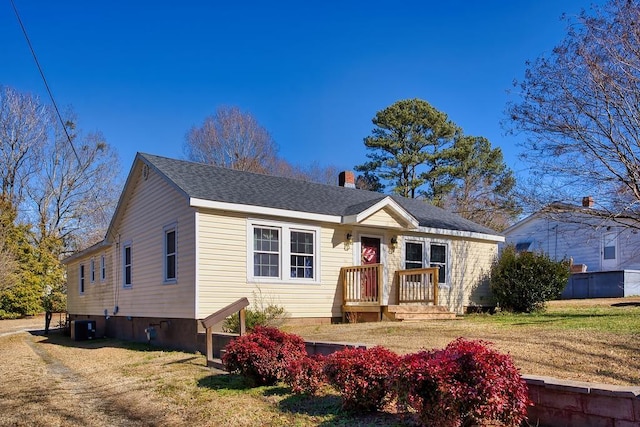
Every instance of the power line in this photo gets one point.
(53, 101)
(46, 85)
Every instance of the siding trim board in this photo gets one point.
(261, 210)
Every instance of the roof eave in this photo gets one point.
(262, 210)
(91, 249)
(464, 234)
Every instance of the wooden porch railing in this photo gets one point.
(210, 321)
(418, 285)
(362, 285)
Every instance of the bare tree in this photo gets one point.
(233, 139)
(580, 111)
(23, 133)
(75, 190)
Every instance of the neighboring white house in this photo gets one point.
(188, 239)
(582, 233)
(593, 241)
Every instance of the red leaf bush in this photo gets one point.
(263, 356)
(306, 375)
(467, 382)
(362, 376)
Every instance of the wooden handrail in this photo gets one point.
(362, 284)
(225, 312)
(209, 321)
(418, 285)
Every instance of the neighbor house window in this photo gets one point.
(92, 270)
(438, 258)
(126, 265)
(170, 254)
(103, 268)
(413, 255)
(82, 278)
(283, 252)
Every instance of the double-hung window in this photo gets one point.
(283, 252)
(170, 254)
(103, 268)
(266, 252)
(92, 270)
(413, 255)
(302, 254)
(435, 255)
(127, 264)
(438, 258)
(81, 278)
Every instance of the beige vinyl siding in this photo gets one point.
(469, 263)
(150, 206)
(98, 295)
(223, 275)
(384, 218)
(470, 266)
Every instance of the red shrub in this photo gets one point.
(467, 382)
(306, 375)
(362, 376)
(263, 355)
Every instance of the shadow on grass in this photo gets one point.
(626, 304)
(59, 338)
(220, 382)
(329, 408)
(326, 407)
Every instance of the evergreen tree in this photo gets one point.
(483, 186)
(407, 146)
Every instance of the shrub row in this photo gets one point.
(468, 382)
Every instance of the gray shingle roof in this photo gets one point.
(219, 184)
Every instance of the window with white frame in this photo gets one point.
(266, 252)
(170, 254)
(413, 255)
(92, 270)
(435, 255)
(103, 268)
(127, 265)
(283, 252)
(81, 278)
(438, 258)
(302, 254)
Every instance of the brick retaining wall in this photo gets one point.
(560, 403)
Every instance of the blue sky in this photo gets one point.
(312, 73)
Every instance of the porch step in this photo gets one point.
(417, 312)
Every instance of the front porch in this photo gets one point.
(416, 295)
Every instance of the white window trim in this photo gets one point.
(426, 255)
(125, 245)
(165, 230)
(81, 279)
(285, 252)
(103, 267)
(92, 271)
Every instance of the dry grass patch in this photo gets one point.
(53, 381)
(582, 340)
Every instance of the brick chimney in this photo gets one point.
(587, 202)
(347, 179)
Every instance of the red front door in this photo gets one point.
(370, 254)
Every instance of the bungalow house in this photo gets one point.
(189, 239)
(604, 249)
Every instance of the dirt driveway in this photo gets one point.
(52, 381)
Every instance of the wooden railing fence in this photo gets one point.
(418, 285)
